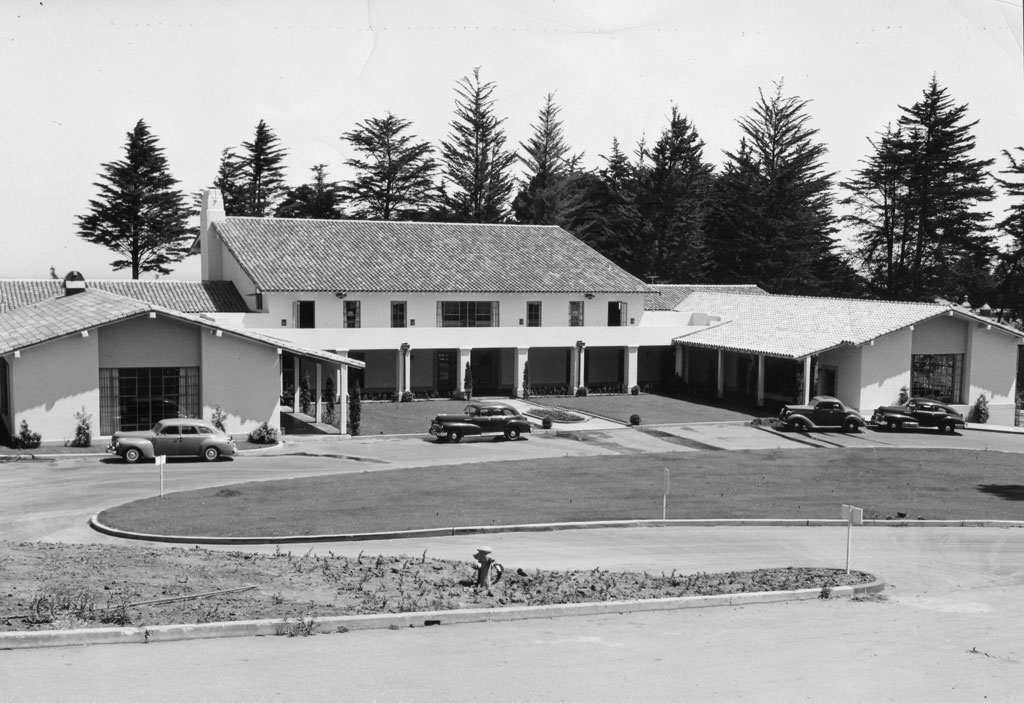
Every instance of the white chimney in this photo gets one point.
(210, 247)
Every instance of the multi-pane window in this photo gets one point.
(467, 313)
(937, 376)
(352, 314)
(575, 313)
(398, 313)
(533, 314)
(137, 398)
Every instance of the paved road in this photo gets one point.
(947, 631)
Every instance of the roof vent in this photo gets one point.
(74, 282)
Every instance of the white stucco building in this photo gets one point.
(287, 309)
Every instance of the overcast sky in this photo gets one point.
(76, 75)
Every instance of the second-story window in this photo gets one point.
(533, 314)
(398, 313)
(305, 314)
(575, 313)
(352, 314)
(467, 313)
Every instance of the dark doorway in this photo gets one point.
(486, 366)
(307, 314)
(616, 314)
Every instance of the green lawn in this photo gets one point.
(935, 484)
(404, 418)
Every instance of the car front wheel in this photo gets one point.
(453, 436)
(511, 433)
(850, 425)
(211, 453)
(132, 455)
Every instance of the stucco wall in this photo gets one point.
(993, 372)
(940, 335)
(885, 368)
(242, 377)
(53, 381)
(149, 342)
(421, 309)
(847, 362)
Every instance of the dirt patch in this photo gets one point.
(65, 586)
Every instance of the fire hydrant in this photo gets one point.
(485, 565)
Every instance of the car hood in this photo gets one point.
(892, 409)
(141, 434)
(451, 418)
(799, 408)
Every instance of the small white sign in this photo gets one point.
(160, 460)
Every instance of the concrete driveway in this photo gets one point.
(948, 629)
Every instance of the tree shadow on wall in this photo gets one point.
(1004, 491)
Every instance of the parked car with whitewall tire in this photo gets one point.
(918, 412)
(481, 418)
(823, 412)
(173, 437)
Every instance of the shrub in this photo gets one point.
(407, 396)
(83, 429)
(355, 409)
(264, 434)
(546, 423)
(904, 396)
(219, 416)
(458, 395)
(305, 395)
(634, 419)
(635, 390)
(581, 392)
(979, 413)
(468, 382)
(26, 439)
(526, 379)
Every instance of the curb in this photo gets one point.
(345, 623)
(95, 524)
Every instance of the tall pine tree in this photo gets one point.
(319, 200)
(476, 166)
(772, 221)
(544, 195)
(139, 214)
(1010, 270)
(394, 171)
(935, 227)
(251, 179)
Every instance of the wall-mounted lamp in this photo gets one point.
(339, 294)
(588, 296)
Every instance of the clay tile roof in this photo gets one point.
(666, 296)
(184, 296)
(795, 326)
(373, 256)
(64, 315)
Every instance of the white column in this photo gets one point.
(807, 379)
(295, 386)
(522, 356)
(760, 380)
(406, 369)
(341, 383)
(629, 371)
(460, 373)
(679, 359)
(721, 373)
(583, 361)
(318, 394)
(685, 351)
(399, 368)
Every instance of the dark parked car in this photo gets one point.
(822, 412)
(173, 437)
(918, 412)
(480, 418)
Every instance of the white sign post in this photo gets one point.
(160, 461)
(664, 496)
(853, 516)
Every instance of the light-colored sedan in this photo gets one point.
(173, 437)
